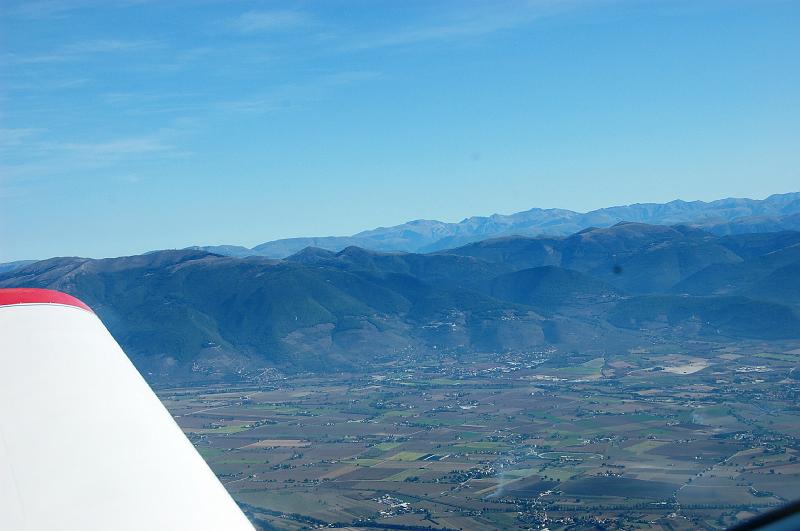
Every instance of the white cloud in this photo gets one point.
(295, 95)
(48, 8)
(113, 150)
(29, 156)
(472, 20)
(11, 137)
(272, 20)
(48, 84)
(109, 46)
(41, 9)
(80, 50)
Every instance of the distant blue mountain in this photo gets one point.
(725, 216)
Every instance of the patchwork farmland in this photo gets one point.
(673, 437)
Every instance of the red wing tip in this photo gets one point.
(12, 296)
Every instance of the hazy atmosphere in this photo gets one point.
(129, 126)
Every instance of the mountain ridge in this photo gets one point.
(722, 216)
(189, 314)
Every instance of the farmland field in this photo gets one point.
(503, 441)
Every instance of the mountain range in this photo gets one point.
(190, 314)
(724, 216)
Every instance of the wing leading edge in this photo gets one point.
(84, 441)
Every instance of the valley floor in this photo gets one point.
(677, 436)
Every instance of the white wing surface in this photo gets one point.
(84, 442)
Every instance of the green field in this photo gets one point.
(406, 456)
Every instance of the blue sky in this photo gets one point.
(131, 125)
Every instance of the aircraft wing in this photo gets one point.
(84, 442)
